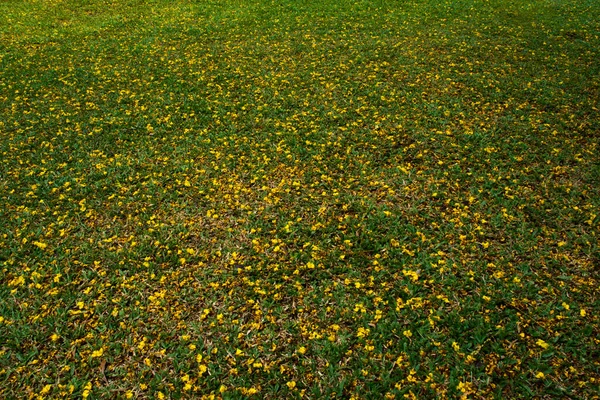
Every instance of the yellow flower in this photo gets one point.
(407, 333)
(362, 332)
(291, 384)
(98, 353)
(40, 245)
(540, 375)
(86, 390)
(542, 344)
(302, 350)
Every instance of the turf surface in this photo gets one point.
(293, 199)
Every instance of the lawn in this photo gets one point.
(300, 199)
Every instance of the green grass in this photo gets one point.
(290, 199)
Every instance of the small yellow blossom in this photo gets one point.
(98, 353)
(542, 344)
(86, 390)
(363, 332)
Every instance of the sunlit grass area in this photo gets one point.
(292, 199)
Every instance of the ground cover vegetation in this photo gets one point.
(286, 199)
